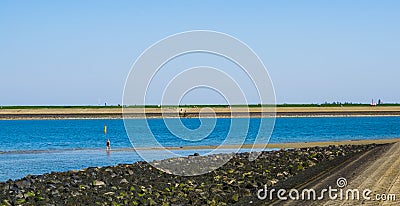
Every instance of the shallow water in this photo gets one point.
(41, 146)
(17, 165)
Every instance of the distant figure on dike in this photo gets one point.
(108, 145)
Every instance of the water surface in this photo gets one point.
(41, 146)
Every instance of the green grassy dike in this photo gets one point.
(200, 106)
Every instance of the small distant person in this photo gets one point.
(108, 145)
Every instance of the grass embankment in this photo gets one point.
(193, 111)
(198, 106)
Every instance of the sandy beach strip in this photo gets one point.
(245, 146)
(286, 145)
(175, 112)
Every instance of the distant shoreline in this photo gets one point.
(193, 112)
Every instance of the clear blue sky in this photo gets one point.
(80, 52)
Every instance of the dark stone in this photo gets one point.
(23, 184)
(141, 183)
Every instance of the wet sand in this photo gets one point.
(174, 112)
(289, 145)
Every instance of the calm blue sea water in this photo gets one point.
(40, 146)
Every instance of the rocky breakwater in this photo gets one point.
(141, 184)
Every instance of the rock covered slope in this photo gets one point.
(142, 184)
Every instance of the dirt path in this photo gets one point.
(381, 177)
(377, 170)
